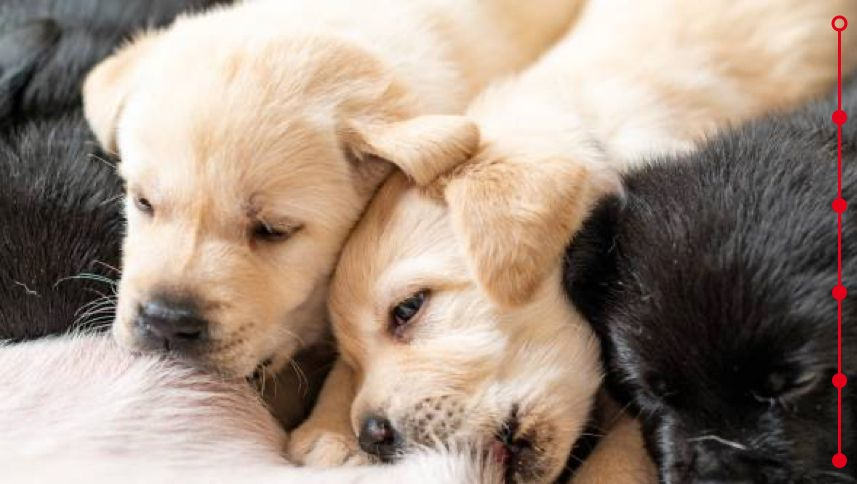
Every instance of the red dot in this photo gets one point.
(839, 23)
(840, 380)
(839, 205)
(839, 292)
(840, 117)
(839, 460)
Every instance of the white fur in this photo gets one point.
(79, 409)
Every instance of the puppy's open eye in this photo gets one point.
(406, 310)
(143, 205)
(270, 233)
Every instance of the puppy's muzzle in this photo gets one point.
(714, 464)
(379, 438)
(170, 325)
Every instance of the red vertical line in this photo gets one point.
(839, 157)
(839, 249)
(839, 237)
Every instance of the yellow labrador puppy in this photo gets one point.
(447, 304)
(253, 136)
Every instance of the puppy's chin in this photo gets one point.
(231, 366)
(529, 458)
(528, 448)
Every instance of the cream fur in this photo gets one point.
(288, 113)
(627, 83)
(467, 364)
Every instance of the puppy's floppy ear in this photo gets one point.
(107, 86)
(21, 48)
(516, 214)
(423, 147)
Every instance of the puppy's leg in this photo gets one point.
(620, 458)
(326, 438)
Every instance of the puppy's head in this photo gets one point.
(247, 160)
(711, 292)
(439, 360)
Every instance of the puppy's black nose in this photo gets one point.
(171, 325)
(377, 437)
(723, 466)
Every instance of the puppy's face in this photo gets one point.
(439, 363)
(243, 184)
(713, 304)
(729, 396)
(233, 236)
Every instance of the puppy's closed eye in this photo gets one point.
(143, 205)
(784, 384)
(405, 312)
(265, 232)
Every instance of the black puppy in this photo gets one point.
(710, 284)
(60, 209)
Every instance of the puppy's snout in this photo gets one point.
(379, 438)
(716, 465)
(171, 325)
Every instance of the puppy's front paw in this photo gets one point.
(318, 447)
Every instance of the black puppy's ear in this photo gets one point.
(21, 48)
(590, 262)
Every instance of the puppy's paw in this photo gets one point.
(319, 447)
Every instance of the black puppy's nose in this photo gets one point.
(171, 325)
(717, 465)
(377, 437)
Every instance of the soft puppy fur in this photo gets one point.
(428, 356)
(99, 414)
(627, 82)
(253, 137)
(446, 302)
(60, 214)
(710, 284)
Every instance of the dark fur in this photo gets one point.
(710, 286)
(60, 211)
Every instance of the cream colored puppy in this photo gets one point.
(252, 138)
(436, 361)
(447, 303)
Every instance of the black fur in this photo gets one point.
(60, 211)
(710, 287)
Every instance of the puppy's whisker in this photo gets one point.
(303, 382)
(295, 336)
(719, 440)
(93, 305)
(109, 163)
(836, 475)
(87, 276)
(109, 266)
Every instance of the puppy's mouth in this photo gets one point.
(515, 451)
(262, 369)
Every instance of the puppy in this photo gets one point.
(80, 409)
(59, 211)
(253, 137)
(710, 285)
(446, 302)
(432, 360)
